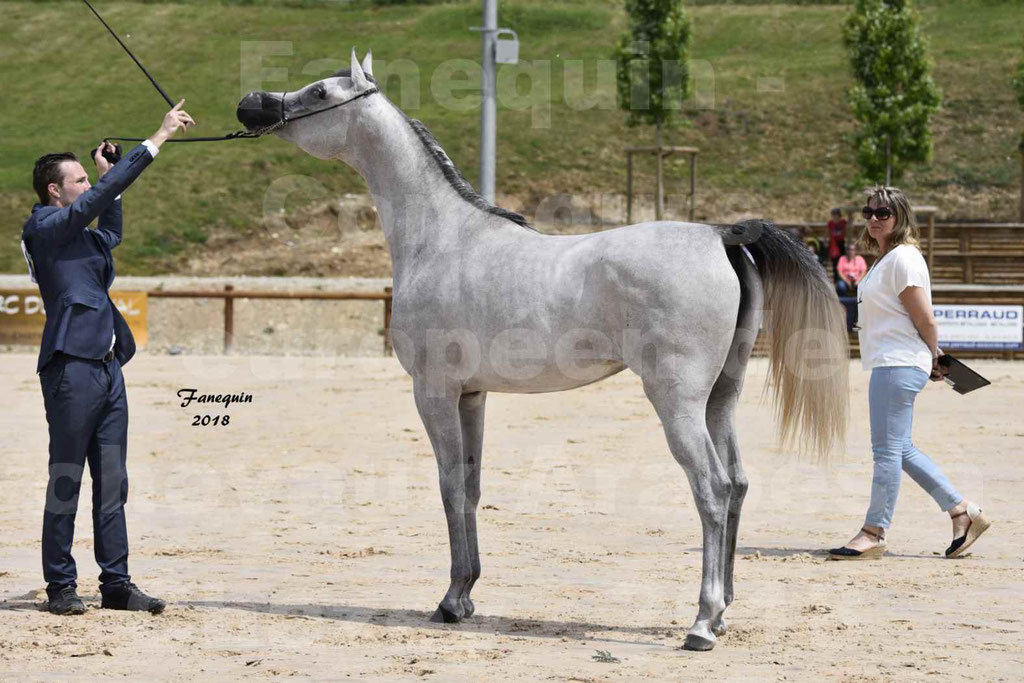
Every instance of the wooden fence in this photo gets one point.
(979, 263)
(959, 252)
(941, 294)
(230, 294)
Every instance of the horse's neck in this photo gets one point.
(419, 210)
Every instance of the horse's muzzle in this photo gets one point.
(259, 110)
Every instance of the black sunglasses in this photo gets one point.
(881, 213)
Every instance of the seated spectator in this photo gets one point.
(817, 247)
(849, 271)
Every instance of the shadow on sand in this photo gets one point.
(478, 623)
(29, 601)
(822, 553)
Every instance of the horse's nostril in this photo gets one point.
(258, 109)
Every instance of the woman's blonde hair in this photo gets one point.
(905, 231)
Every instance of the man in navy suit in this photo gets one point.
(85, 343)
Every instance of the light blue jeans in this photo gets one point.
(891, 395)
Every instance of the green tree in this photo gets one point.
(894, 96)
(652, 72)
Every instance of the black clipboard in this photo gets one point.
(960, 377)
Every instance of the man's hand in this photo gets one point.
(102, 165)
(177, 118)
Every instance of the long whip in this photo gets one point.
(134, 59)
(229, 136)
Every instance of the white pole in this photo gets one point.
(488, 104)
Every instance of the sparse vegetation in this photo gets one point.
(605, 656)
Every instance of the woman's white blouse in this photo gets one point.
(887, 334)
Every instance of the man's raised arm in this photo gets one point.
(65, 223)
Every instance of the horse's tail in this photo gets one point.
(809, 348)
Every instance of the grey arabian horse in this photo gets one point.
(482, 302)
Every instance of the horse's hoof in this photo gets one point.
(720, 628)
(468, 607)
(445, 616)
(697, 643)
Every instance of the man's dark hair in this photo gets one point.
(48, 171)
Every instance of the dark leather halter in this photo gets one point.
(237, 135)
(284, 120)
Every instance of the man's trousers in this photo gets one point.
(87, 411)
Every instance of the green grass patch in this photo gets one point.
(770, 122)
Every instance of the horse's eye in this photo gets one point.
(321, 92)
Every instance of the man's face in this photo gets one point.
(74, 181)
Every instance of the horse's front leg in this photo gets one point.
(440, 415)
(471, 414)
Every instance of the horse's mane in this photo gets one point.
(447, 166)
(456, 179)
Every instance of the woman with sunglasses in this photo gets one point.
(899, 344)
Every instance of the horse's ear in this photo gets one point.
(358, 77)
(368, 63)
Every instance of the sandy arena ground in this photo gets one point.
(306, 539)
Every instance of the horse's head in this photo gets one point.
(317, 117)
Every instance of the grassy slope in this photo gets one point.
(777, 149)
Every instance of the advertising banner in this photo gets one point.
(980, 326)
(22, 316)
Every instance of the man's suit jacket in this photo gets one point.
(74, 267)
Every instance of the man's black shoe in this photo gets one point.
(65, 601)
(127, 596)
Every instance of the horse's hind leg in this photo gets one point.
(471, 415)
(680, 398)
(721, 411)
(441, 419)
(720, 415)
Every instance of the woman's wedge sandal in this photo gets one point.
(979, 523)
(875, 553)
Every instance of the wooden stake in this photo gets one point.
(693, 184)
(387, 322)
(229, 320)
(660, 201)
(629, 187)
